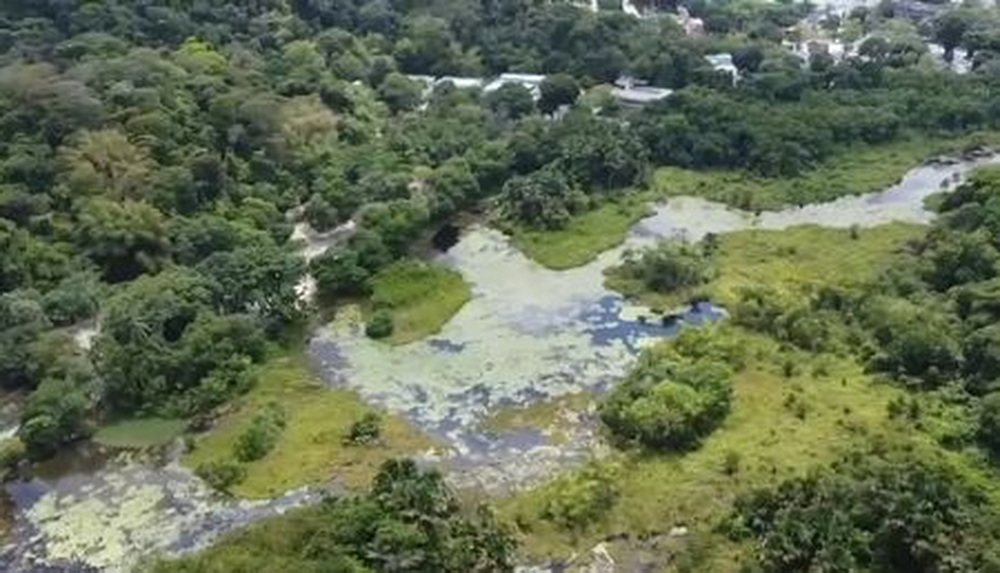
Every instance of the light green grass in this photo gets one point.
(585, 237)
(787, 260)
(851, 172)
(139, 433)
(844, 408)
(310, 450)
(422, 298)
(662, 491)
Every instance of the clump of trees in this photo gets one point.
(668, 267)
(868, 512)
(677, 394)
(408, 520)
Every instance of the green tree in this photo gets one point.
(543, 199)
(400, 93)
(124, 239)
(511, 101)
(558, 90)
(668, 267)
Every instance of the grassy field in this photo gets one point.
(310, 450)
(139, 433)
(841, 405)
(422, 298)
(785, 419)
(860, 170)
(587, 235)
(785, 260)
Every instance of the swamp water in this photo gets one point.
(528, 334)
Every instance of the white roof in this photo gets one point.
(641, 94)
(719, 60)
(461, 83)
(523, 78)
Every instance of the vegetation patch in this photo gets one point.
(854, 171)
(584, 237)
(765, 439)
(405, 512)
(310, 449)
(417, 297)
(556, 417)
(790, 261)
(140, 432)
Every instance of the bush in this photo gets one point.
(989, 423)
(380, 324)
(582, 498)
(731, 463)
(12, 453)
(221, 475)
(74, 299)
(669, 401)
(668, 267)
(365, 431)
(262, 435)
(867, 513)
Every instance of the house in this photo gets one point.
(632, 93)
(461, 83)
(723, 63)
(531, 82)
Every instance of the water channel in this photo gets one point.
(529, 333)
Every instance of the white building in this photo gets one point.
(723, 63)
(531, 82)
(629, 92)
(461, 83)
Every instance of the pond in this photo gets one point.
(529, 333)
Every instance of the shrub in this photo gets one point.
(989, 423)
(668, 267)
(221, 475)
(669, 401)
(380, 324)
(262, 435)
(365, 431)
(582, 498)
(896, 514)
(731, 463)
(12, 453)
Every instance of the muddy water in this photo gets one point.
(528, 333)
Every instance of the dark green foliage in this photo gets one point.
(989, 422)
(73, 299)
(558, 90)
(668, 267)
(511, 101)
(163, 348)
(259, 281)
(365, 431)
(900, 515)
(676, 395)
(221, 475)
(543, 199)
(379, 325)
(408, 521)
(22, 323)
